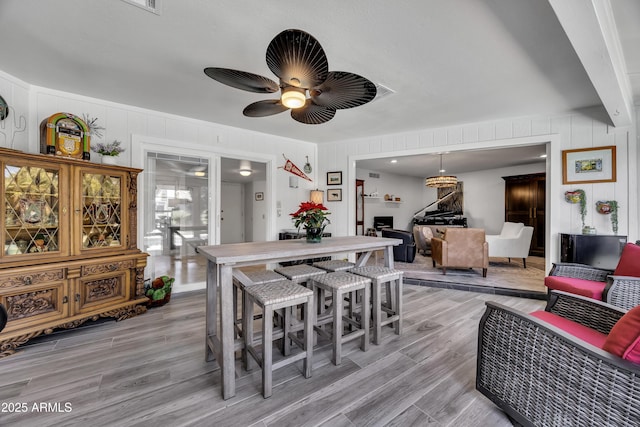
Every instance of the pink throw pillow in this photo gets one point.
(624, 338)
(629, 264)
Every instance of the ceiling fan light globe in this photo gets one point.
(293, 98)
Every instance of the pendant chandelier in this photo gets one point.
(441, 181)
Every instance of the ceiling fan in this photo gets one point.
(309, 89)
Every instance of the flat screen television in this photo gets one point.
(380, 222)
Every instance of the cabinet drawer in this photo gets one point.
(34, 304)
(30, 277)
(107, 267)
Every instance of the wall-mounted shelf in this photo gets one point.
(372, 198)
(393, 201)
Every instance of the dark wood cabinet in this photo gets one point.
(524, 201)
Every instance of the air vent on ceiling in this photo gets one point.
(148, 5)
(374, 175)
(383, 91)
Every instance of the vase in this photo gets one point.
(109, 160)
(314, 234)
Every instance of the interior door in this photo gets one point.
(231, 213)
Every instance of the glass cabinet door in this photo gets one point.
(101, 205)
(32, 204)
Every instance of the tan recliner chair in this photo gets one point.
(461, 247)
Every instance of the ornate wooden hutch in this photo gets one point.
(70, 252)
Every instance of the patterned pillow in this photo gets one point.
(624, 338)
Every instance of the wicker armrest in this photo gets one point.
(540, 375)
(579, 271)
(622, 291)
(592, 313)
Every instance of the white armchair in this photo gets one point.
(513, 242)
(422, 234)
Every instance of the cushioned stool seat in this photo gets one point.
(299, 273)
(273, 296)
(334, 265)
(251, 278)
(343, 285)
(393, 307)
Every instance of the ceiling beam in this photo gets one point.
(591, 29)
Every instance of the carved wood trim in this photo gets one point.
(96, 290)
(8, 347)
(31, 304)
(110, 267)
(139, 281)
(125, 312)
(31, 278)
(133, 211)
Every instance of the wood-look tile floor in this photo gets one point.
(150, 371)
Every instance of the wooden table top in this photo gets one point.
(260, 252)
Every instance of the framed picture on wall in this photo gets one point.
(334, 195)
(334, 178)
(589, 165)
(260, 196)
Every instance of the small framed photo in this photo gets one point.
(334, 195)
(334, 178)
(260, 196)
(589, 165)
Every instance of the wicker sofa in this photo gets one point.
(620, 287)
(541, 375)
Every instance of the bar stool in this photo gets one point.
(343, 285)
(393, 308)
(334, 265)
(270, 297)
(254, 278)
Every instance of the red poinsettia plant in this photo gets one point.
(311, 215)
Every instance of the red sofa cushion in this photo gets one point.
(587, 288)
(629, 264)
(624, 338)
(576, 329)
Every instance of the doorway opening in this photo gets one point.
(176, 217)
(243, 200)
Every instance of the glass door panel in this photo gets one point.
(32, 210)
(101, 210)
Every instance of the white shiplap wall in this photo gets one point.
(129, 123)
(563, 131)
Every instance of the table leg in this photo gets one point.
(227, 364)
(388, 256)
(212, 307)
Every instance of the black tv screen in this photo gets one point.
(380, 222)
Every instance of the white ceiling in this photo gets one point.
(456, 162)
(450, 62)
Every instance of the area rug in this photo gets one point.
(503, 277)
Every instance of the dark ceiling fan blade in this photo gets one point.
(297, 58)
(264, 108)
(312, 114)
(242, 80)
(343, 90)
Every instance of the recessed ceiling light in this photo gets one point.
(394, 161)
(543, 156)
